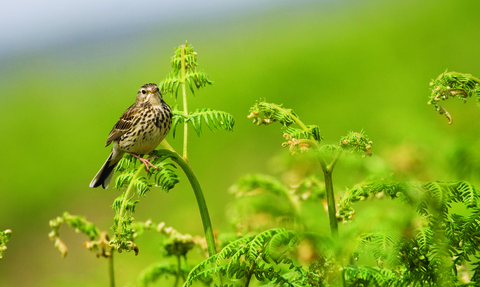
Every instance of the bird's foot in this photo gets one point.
(146, 161)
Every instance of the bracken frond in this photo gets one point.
(258, 183)
(154, 272)
(267, 113)
(214, 120)
(253, 256)
(452, 84)
(4, 238)
(197, 79)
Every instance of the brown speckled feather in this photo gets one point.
(125, 123)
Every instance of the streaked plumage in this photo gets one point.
(139, 131)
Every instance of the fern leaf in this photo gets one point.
(256, 246)
(152, 273)
(197, 79)
(424, 238)
(229, 250)
(281, 238)
(165, 176)
(123, 180)
(202, 270)
(363, 275)
(256, 183)
(452, 84)
(178, 117)
(313, 131)
(467, 193)
(357, 142)
(215, 120)
(170, 85)
(267, 113)
(141, 185)
(249, 256)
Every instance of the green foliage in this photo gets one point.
(164, 177)
(264, 113)
(184, 65)
(264, 256)
(443, 241)
(452, 84)
(263, 202)
(129, 179)
(369, 276)
(4, 238)
(383, 245)
(306, 136)
(214, 120)
(184, 56)
(357, 142)
(173, 244)
(157, 271)
(258, 183)
(362, 191)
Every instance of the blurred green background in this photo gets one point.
(343, 65)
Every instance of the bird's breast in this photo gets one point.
(149, 131)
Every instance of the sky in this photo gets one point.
(27, 25)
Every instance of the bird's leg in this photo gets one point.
(146, 161)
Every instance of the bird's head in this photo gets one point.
(149, 93)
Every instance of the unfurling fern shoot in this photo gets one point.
(450, 85)
(308, 137)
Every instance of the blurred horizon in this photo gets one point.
(79, 22)
(342, 65)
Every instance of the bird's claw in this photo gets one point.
(146, 161)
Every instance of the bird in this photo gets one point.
(139, 131)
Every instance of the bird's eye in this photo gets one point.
(144, 92)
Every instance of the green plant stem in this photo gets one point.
(332, 210)
(249, 275)
(185, 110)
(327, 169)
(111, 272)
(124, 202)
(202, 205)
(327, 174)
(179, 272)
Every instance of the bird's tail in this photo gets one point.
(105, 174)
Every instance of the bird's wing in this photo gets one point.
(124, 124)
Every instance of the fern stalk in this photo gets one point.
(185, 110)
(111, 272)
(202, 205)
(179, 270)
(250, 273)
(327, 174)
(125, 199)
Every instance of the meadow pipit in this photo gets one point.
(139, 131)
